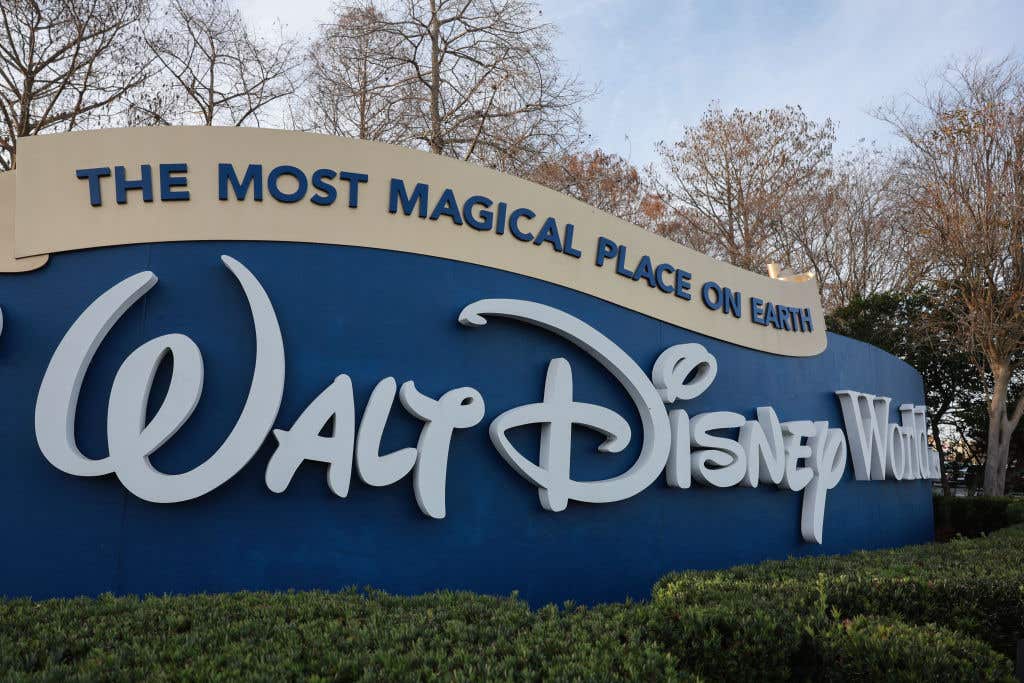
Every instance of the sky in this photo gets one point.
(658, 65)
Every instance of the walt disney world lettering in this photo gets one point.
(716, 449)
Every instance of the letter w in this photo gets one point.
(866, 418)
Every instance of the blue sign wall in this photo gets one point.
(373, 314)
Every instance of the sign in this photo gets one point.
(105, 188)
(343, 363)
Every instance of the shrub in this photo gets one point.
(1015, 511)
(975, 586)
(787, 630)
(920, 613)
(974, 515)
(725, 631)
(873, 649)
(347, 636)
(604, 643)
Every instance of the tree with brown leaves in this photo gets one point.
(852, 233)
(734, 184)
(602, 180)
(964, 174)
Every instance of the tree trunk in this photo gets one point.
(942, 456)
(364, 84)
(997, 451)
(436, 145)
(996, 456)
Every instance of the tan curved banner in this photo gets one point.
(104, 188)
(8, 262)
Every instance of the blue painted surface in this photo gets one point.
(372, 314)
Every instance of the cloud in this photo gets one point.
(659, 69)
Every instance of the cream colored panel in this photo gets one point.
(54, 214)
(9, 264)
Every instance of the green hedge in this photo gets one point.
(874, 649)
(974, 515)
(345, 636)
(975, 586)
(458, 636)
(941, 611)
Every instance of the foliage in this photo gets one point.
(604, 181)
(367, 636)
(969, 585)
(962, 170)
(874, 649)
(735, 183)
(854, 237)
(911, 326)
(754, 188)
(975, 515)
(920, 613)
(908, 325)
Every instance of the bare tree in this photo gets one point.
(65, 64)
(852, 233)
(353, 88)
(964, 167)
(606, 181)
(734, 183)
(476, 79)
(213, 68)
